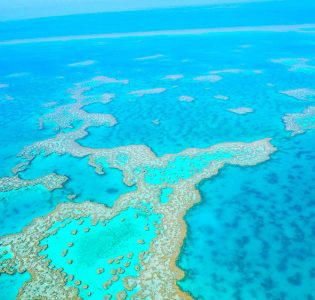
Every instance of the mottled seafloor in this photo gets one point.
(73, 117)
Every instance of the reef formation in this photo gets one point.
(300, 122)
(89, 250)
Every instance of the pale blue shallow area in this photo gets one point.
(19, 207)
(10, 285)
(252, 236)
(183, 167)
(83, 181)
(166, 194)
(119, 237)
(306, 122)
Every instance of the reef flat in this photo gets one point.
(39, 250)
(138, 240)
(241, 110)
(300, 122)
(304, 94)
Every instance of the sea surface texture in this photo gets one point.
(159, 160)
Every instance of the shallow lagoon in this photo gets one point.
(10, 285)
(115, 252)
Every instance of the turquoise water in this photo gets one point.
(19, 207)
(116, 249)
(252, 235)
(306, 122)
(245, 14)
(165, 194)
(10, 285)
(183, 167)
(84, 183)
(197, 123)
(265, 227)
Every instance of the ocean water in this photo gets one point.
(84, 183)
(10, 285)
(20, 207)
(252, 235)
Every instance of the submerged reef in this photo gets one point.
(241, 110)
(50, 181)
(146, 167)
(89, 250)
(295, 64)
(300, 122)
(208, 78)
(141, 93)
(82, 63)
(186, 98)
(174, 76)
(304, 94)
(221, 97)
